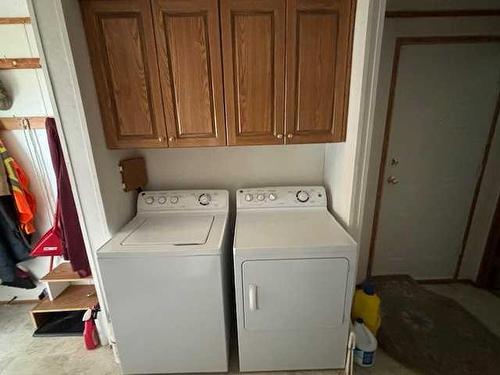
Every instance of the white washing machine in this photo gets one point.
(295, 269)
(164, 277)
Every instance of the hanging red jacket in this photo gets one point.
(19, 185)
(74, 246)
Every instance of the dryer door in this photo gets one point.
(291, 294)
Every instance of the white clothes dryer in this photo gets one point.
(295, 271)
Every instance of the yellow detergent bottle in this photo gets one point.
(367, 307)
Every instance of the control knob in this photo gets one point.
(149, 200)
(174, 199)
(162, 199)
(302, 196)
(204, 199)
(249, 197)
(272, 197)
(261, 197)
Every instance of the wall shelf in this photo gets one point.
(73, 298)
(63, 273)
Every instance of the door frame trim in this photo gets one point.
(484, 161)
(486, 267)
(429, 40)
(442, 13)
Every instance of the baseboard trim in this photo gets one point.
(446, 281)
(19, 302)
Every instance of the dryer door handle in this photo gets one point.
(252, 297)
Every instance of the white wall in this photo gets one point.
(27, 86)
(234, 167)
(14, 8)
(340, 165)
(28, 90)
(346, 165)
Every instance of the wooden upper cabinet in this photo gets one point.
(253, 40)
(183, 73)
(318, 68)
(188, 38)
(123, 53)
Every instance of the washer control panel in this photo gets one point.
(182, 200)
(287, 196)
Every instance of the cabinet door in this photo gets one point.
(123, 53)
(318, 68)
(253, 37)
(188, 37)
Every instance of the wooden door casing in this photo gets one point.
(318, 51)
(188, 37)
(123, 53)
(253, 37)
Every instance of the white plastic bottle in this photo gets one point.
(366, 345)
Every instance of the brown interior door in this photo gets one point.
(318, 64)
(123, 53)
(253, 37)
(188, 38)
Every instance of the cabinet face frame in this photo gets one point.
(93, 14)
(341, 16)
(194, 106)
(248, 101)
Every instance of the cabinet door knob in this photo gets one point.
(161, 138)
(171, 139)
(290, 136)
(279, 136)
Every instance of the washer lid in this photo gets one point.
(171, 230)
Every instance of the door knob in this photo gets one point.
(392, 180)
(289, 136)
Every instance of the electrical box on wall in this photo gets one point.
(134, 174)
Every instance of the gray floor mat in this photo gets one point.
(431, 333)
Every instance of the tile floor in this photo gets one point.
(22, 354)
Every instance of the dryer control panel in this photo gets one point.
(283, 196)
(148, 201)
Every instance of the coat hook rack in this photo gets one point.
(19, 123)
(20, 63)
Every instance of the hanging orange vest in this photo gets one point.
(19, 186)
